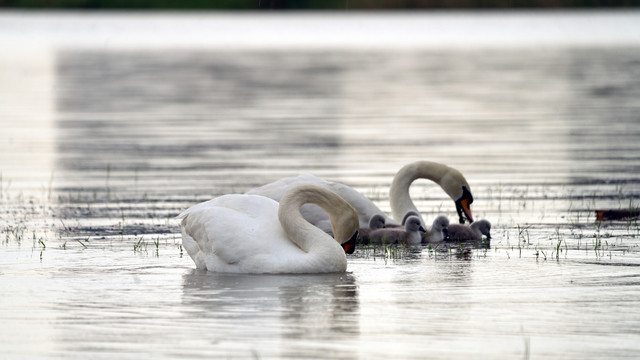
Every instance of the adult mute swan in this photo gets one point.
(450, 180)
(314, 214)
(241, 233)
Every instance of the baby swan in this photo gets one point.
(408, 214)
(376, 222)
(475, 231)
(439, 230)
(404, 220)
(410, 235)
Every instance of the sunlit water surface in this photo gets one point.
(102, 145)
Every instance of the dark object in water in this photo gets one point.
(602, 215)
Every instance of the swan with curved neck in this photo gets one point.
(241, 233)
(365, 208)
(450, 180)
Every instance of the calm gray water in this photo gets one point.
(102, 145)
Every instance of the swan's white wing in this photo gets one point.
(312, 213)
(276, 189)
(364, 207)
(235, 233)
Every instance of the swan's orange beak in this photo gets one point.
(350, 246)
(463, 205)
(467, 209)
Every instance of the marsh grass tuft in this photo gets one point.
(385, 251)
(140, 246)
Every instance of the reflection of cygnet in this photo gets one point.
(471, 232)
(410, 235)
(438, 230)
(376, 222)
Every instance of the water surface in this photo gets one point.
(102, 145)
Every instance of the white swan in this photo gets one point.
(410, 235)
(450, 180)
(241, 233)
(314, 214)
(474, 231)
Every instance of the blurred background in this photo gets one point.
(113, 122)
(314, 4)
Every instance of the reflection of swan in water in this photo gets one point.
(241, 233)
(267, 313)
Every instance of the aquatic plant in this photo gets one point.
(139, 245)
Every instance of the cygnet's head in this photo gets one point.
(484, 226)
(376, 222)
(413, 223)
(408, 214)
(441, 224)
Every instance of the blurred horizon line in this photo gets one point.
(295, 5)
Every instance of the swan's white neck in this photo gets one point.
(308, 237)
(399, 197)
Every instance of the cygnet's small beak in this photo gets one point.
(421, 228)
(445, 231)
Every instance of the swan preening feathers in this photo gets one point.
(242, 233)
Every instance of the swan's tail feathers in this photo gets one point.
(193, 249)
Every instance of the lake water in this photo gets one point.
(114, 123)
